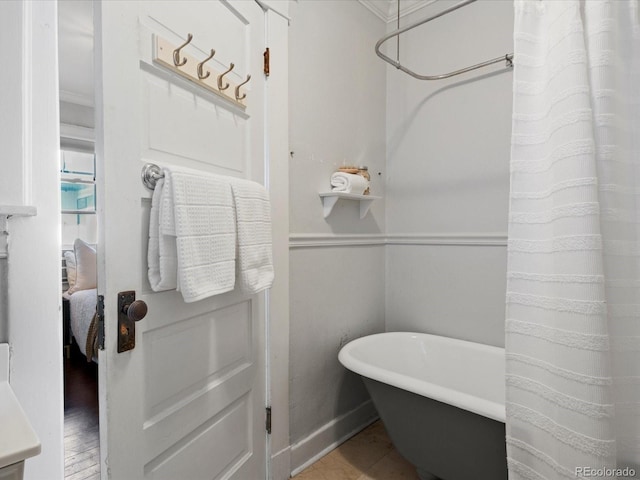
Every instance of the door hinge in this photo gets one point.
(266, 62)
(100, 310)
(268, 420)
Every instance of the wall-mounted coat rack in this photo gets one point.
(173, 58)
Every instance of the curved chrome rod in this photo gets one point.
(200, 68)
(176, 52)
(244, 95)
(220, 87)
(508, 58)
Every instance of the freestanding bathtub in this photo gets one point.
(440, 399)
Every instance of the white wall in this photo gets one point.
(75, 52)
(336, 107)
(34, 277)
(336, 99)
(447, 176)
(12, 180)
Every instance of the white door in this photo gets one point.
(188, 402)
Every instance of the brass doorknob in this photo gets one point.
(135, 310)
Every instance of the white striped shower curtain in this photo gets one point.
(573, 286)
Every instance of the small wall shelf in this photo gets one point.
(329, 200)
(17, 211)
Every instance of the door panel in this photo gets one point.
(190, 349)
(228, 29)
(221, 147)
(230, 452)
(188, 402)
(225, 26)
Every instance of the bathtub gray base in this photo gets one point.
(422, 475)
(439, 439)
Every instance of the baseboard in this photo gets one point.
(329, 436)
(281, 465)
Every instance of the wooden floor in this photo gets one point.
(81, 424)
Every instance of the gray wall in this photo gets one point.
(448, 144)
(336, 296)
(337, 116)
(336, 111)
(431, 255)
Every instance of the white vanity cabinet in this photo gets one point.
(18, 441)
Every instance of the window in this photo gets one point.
(78, 197)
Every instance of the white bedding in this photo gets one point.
(83, 307)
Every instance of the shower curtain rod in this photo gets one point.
(508, 58)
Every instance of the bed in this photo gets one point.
(82, 310)
(80, 298)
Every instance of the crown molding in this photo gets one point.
(387, 10)
(377, 8)
(76, 132)
(76, 98)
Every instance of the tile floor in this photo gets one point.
(367, 456)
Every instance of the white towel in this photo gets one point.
(162, 255)
(348, 183)
(253, 223)
(192, 236)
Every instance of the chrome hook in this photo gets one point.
(176, 52)
(220, 87)
(201, 74)
(244, 95)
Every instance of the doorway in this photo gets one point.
(79, 234)
(183, 402)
